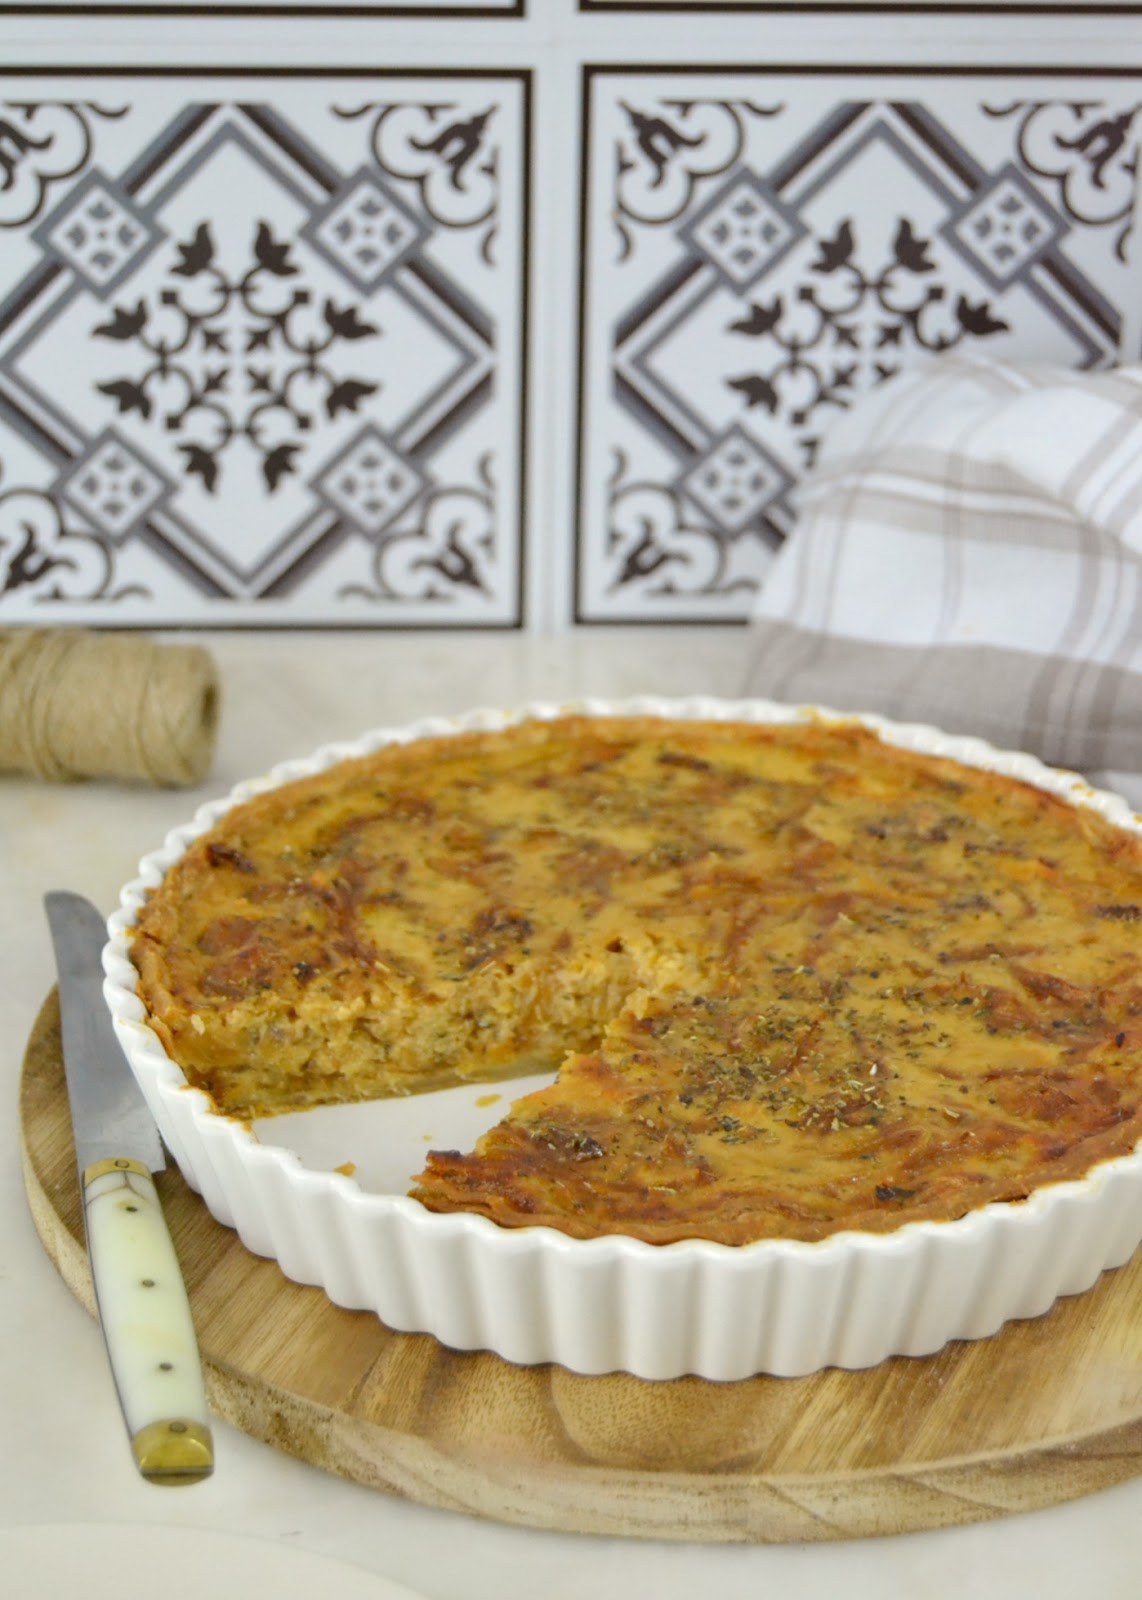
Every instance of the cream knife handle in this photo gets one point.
(147, 1323)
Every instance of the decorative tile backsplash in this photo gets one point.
(295, 346)
(262, 358)
(763, 249)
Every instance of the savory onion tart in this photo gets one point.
(795, 979)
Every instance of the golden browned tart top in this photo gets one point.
(795, 979)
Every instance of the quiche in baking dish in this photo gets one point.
(796, 979)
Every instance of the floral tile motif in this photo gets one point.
(762, 249)
(263, 360)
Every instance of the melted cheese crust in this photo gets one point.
(798, 980)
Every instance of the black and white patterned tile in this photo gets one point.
(262, 349)
(762, 249)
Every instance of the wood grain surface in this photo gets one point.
(1045, 1411)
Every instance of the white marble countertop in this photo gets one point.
(65, 1460)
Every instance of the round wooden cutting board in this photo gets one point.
(1046, 1411)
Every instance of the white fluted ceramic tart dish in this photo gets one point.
(613, 1302)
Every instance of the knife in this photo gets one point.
(140, 1296)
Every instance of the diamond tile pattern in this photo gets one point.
(743, 231)
(365, 231)
(1006, 228)
(112, 488)
(370, 482)
(99, 233)
(762, 249)
(735, 482)
(249, 345)
(268, 354)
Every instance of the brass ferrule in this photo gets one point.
(174, 1451)
(99, 1169)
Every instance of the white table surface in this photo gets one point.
(65, 1460)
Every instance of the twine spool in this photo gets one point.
(76, 704)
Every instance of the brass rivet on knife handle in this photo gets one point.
(175, 1451)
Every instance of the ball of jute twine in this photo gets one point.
(77, 704)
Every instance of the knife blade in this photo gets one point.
(141, 1299)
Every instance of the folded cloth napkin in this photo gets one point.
(968, 553)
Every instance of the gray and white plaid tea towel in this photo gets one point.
(969, 553)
